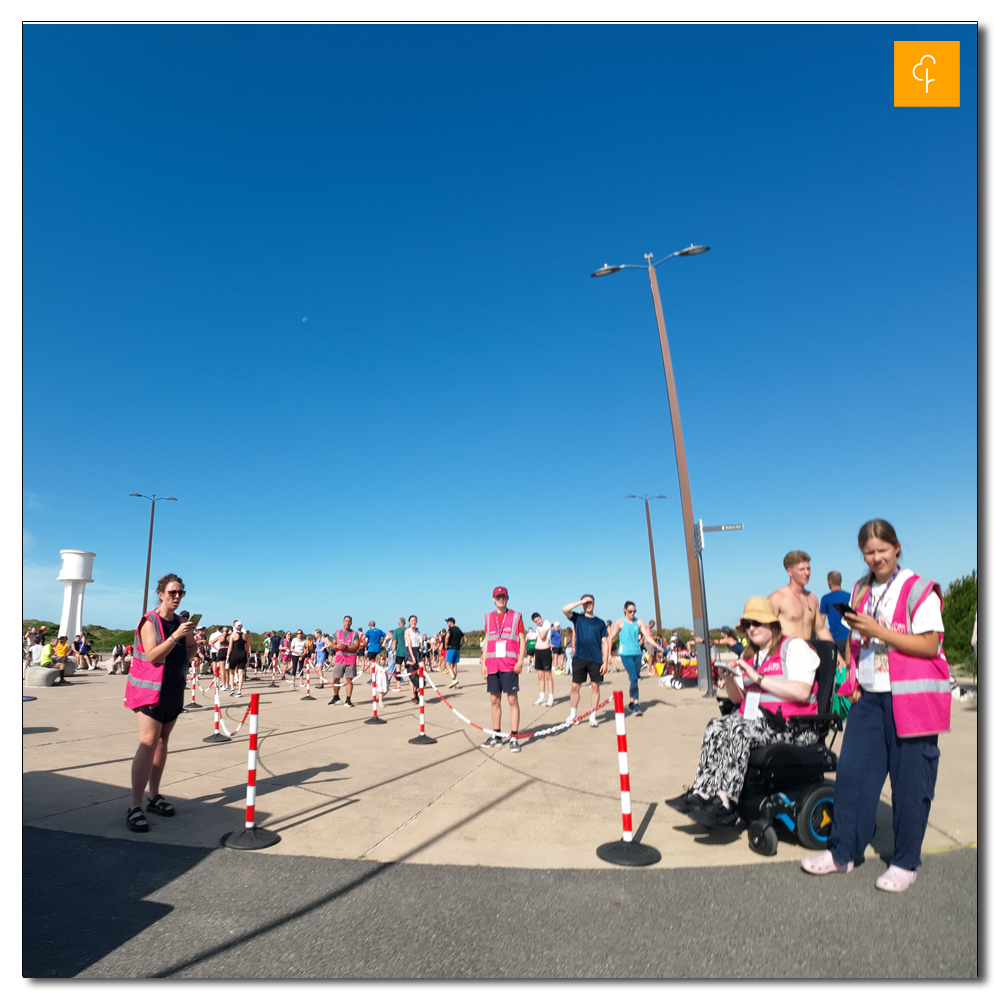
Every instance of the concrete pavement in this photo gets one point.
(334, 787)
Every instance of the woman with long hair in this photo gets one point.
(155, 692)
(236, 657)
(775, 679)
(901, 699)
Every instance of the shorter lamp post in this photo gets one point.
(652, 558)
(699, 547)
(149, 548)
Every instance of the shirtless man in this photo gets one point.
(797, 608)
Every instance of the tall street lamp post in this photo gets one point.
(149, 548)
(699, 544)
(694, 582)
(652, 557)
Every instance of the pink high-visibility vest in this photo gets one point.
(145, 679)
(503, 643)
(776, 666)
(920, 687)
(340, 656)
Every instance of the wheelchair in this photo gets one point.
(787, 784)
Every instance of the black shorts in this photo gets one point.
(167, 709)
(543, 659)
(504, 681)
(218, 657)
(582, 669)
(399, 660)
(237, 664)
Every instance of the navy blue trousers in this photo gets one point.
(871, 749)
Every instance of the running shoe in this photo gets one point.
(493, 741)
(593, 721)
(637, 710)
(237, 694)
(550, 702)
(515, 747)
(572, 715)
(540, 700)
(335, 700)
(348, 703)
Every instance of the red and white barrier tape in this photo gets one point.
(222, 722)
(521, 735)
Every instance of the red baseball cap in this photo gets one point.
(500, 592)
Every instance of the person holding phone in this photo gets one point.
(163, 641)
(901, 693)
(775, 679)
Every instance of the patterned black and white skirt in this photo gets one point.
(726, 746)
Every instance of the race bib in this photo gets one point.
(751, 706)
(500, 650)
(866, 667)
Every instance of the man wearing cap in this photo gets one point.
(453, 650)
(504, 646)
(592, 652)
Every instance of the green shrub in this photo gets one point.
(961, 600)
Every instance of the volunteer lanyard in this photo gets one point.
(871, 594)
(501, 621)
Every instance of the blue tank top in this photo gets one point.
(628, 638)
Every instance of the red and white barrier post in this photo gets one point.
(216, 736)
(375, 720)
(250, 838)
(194, 687)
(308, 695)
(274, 668)
(626, 851)
(423, 737)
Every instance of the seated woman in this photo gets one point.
(775, 679)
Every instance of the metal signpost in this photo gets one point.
(699, 547)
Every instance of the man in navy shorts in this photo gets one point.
(504, 646)
(592, 653)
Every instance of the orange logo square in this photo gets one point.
(925, 75)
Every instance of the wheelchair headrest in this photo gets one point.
(826, 673)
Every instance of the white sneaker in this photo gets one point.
(572, 715)
(550, 702)
(593, 721)
(540, 700)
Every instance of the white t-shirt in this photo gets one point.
(298, 647)
(414, 639)
(927, 618)
(215, 641)
(542, 632)
(801, 661)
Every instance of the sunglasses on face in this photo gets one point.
(749, 624)
(175, 593)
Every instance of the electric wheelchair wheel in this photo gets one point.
(763, 838)
(815, 819)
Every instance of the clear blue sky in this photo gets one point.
(330, 287)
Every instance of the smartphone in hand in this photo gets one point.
(844, 609)
(194, 619)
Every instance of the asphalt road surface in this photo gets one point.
(110, 908)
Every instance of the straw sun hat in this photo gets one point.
(759, 609)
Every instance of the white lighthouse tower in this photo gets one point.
(76, 569)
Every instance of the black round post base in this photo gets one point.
(374, 721)
(421, 740)
(216, 738)
(628, 852)
(307, 697)
(191, 706)
(249, 839)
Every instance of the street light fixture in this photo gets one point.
(699, 545)
(697, 606)
(149, 548)
(652, 557)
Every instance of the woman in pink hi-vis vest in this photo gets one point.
(154, 690)
(901, 699)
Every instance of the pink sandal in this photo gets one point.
(895, 879)
(823, 864)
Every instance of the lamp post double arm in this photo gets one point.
(687, 511)
(149, 547)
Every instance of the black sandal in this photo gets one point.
(159, 805)
(136, 821)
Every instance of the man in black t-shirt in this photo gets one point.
(592, 653)
(453, 651)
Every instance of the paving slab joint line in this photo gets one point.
(424, 808)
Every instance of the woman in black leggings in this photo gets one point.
(236, 657)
